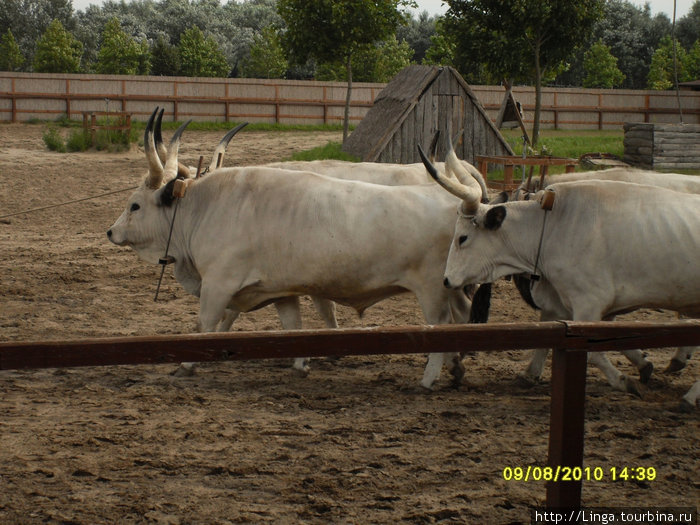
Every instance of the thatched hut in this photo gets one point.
(417, 102)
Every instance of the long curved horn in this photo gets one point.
(171, 165)
(462, 170)
(155, 167)
(433, 145)
(469, 195)
(158, 137)
(217, 159)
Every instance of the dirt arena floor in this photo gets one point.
(250, 442)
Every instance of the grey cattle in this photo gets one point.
(247, 237)
(600, 251)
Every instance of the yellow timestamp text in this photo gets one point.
(560, 473)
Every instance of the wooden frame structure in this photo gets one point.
(509, 162)
(571, 341)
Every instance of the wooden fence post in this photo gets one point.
(566, 427)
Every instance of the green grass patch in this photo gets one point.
(571, 144)
(331, 150)
(564, 143)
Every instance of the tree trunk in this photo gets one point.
(348, 96)
(538, 96)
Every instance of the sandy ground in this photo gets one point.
(250, 442)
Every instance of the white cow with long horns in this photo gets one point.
(246, 237)
(599, 248)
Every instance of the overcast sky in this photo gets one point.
(657, 6)
(437, 7)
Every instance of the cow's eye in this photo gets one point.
(462, 239)
(135, 207)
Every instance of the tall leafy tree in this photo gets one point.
(330, 31)
(266, 59)
(418, 33)
(601, 68)
(57, 51)
(11, 58)
(29, 19)
(165, 58)
(661, 72)
(120, 54)
(200, 56)
(375, 64)
(528, 37)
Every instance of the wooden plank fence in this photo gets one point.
(45, 96)
(569, 339)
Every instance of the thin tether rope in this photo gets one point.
(50, 206)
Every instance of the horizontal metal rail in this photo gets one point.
(569, 339)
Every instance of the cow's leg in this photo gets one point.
(636, 357)
(326, 310)
(460, 307)
(615, 378)
(645, 367)
(436, 310)
(533, 372)
(690, 400)
(680, 358)
(227, 321)
(290, 317)
(212, 310)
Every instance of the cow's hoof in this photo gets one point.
(685, 407)
(184, 371)
(457, 372)
(676, 365)
(645, 373)
(302, 372)
(525, 381)
(632, 386)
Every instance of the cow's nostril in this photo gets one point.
(109, 233)
(446, 282)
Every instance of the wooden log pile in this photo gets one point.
(662, 146)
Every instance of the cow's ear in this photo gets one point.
(495, 217)
(165, 196)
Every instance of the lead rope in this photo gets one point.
(547, 202)
(169, 259)
(534, 277)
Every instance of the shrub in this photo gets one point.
(54, 141)
(78, 140)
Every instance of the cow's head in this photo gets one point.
(476, 238)
(144, 224)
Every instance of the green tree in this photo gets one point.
(266, 58)
(374, 64)
(661, 71)
(632, 35)
(57, 51)
(418, 34)
(333, 32)
(120, 54)
(165, 58)
(442, 48)
(11, 58)
(525, 39)
(200, 56)
(601, 68)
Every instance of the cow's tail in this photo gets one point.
(481, 304)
